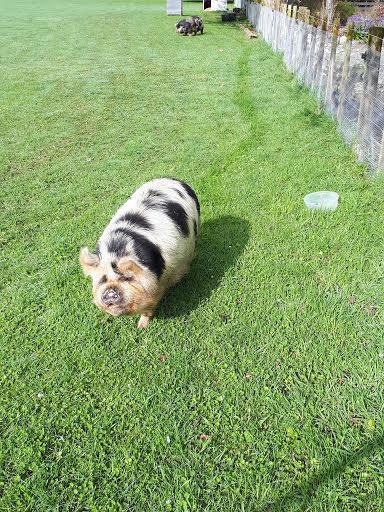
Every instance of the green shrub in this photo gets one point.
(344, 10)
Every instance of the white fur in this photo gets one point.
(177, 250)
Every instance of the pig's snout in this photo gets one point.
(111, 297)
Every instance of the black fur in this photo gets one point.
(148, 253)
(184, 27)
(137, 219)
(153, 197)
(115, 268)
(179, 192)
(177, 213)
(118, 245)
(155, 193)
(103, 280)
(191, 25)
(189, 190)
(195, 227)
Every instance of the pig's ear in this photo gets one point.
(88, 261)
(128, 267)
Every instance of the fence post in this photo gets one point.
(287, 39)
(320, 56)
(293, 34)
(304, 40)
(370, 82)
(278, 24)
(308, 79)
(332, 61)
(345, 73)
(330, 11)
(307, 15)
(283, 29)
(279, 27)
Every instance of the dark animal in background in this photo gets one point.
(184, 27)
(198, 24)
(190, 26)
(146, 248)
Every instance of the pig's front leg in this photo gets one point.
(145, 319)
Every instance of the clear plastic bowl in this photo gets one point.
(324, 200)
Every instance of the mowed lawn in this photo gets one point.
(259, 386)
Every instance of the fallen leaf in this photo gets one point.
(162, 358)
(371, 309)
(370, 424)
(224, 318)
(204, 437)
(355, 420)
(352, 300)
(248, 376)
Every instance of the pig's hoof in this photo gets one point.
(143, 322)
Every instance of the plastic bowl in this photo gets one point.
(324, 200)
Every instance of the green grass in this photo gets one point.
(274, 343)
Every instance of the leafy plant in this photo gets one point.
(362, 22)
(344, 10)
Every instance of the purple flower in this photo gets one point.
(363, 22)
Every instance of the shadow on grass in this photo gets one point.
(222, 242)
(301, 495)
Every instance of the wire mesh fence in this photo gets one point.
(346, 75)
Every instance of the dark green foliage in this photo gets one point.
(344, 10)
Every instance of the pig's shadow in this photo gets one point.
(221, 243)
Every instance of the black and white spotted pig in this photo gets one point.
(147, 247)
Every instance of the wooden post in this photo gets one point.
(304, 47)
(331, 67)
(345, 73)
(300, 13)
(380, 166)
(307, 15)
(287, 35)
(371, 80)
(278, 16)
(329, 11)
(292, 52)
(320, 56)
(309, 68)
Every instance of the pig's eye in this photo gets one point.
(103, 280)
(125, 278)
